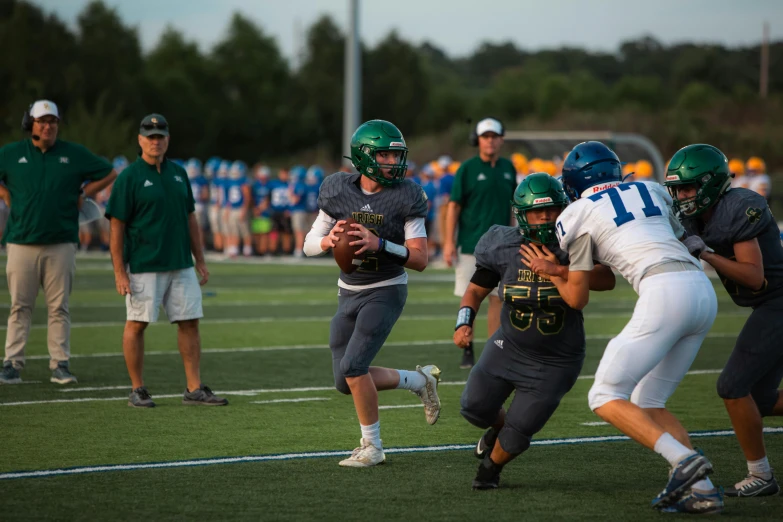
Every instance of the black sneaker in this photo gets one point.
(488, 475)
(62, 374)
(140, 398)
(10, 375)
(203, 396)
(754, 486)
(486, 443)
(468, 359)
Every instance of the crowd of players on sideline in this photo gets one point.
(249, 211)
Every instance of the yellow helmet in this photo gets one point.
(454, 167)
(629, 168)
(549, 167)
(520, 162)
(436, 168)
(644, 169)
(737, 167)
(756, 164)
(535, 165)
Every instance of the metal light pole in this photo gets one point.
(764, 76)
(352, 85)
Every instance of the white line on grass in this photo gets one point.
(398, 406)
(307, 399)
(328, 318)
(597, 423)
(238, 392)
(297, 456)
(292, 347)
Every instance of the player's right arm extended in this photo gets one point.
(320, 231)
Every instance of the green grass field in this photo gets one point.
(265, 337)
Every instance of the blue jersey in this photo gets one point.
(300, 191)
(311, 198)
(446, 182)
(197, 184)
(430, 190)
(260, 191)
(235, 197)
(215, 189)
(278, 195)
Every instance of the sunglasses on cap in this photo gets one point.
(151, 126)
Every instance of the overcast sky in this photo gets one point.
(458, 26)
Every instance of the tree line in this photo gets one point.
(242, 99)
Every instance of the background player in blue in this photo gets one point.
(216, 199)
(734, 231)
(237, 205)
(200, 192)
(313, 180)
(280, 207)
(297, 191)
(429, 185)
(537, 352)
(631, 227)
(371, 299)
(261, 225)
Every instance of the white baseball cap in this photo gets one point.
(489, 125)
(43, 108)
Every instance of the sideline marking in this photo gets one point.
(275, 401)
(81, 470)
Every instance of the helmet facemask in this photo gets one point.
(385, 175)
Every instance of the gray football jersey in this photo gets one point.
(741, 215)
(534, 318)
(383, 213)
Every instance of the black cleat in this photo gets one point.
(753, 486)
(485, 443)
(468, 358)
(488, 475)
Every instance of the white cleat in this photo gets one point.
(365, 456)
(429, 392)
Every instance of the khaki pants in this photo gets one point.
(30, 267)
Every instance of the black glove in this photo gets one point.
(696, 246)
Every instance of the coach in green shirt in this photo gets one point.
(154, 238)
(481, 197)
(44, 185)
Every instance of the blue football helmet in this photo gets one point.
(193, 167)
(238, 170)
(589, 164)
(211, 167)
(119, 163)
(297, 173)
(315, 175)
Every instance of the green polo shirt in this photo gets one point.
(155, 207)
(484, 194)
(45, 189)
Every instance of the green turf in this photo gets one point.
(266, 330)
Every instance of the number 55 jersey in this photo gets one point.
(534, 318)
(630, 226)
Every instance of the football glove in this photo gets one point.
(696, 246)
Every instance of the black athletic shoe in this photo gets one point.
(485, 443)
(203, 396)
(468, 359)
(753, 486)
(488, 475)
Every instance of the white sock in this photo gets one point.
(411, 380)
(705, 485)
(372, 434)
(760, 468)
(669, 448)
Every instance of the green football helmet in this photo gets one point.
(539, 190)
(704, 165)
(370, 138)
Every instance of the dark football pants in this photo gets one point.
(755, 366)
(363, 322)
(539, 388)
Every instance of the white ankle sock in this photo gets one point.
(705, 485)
(672, 450)
(760, 468)
(372, 434)
(411, 380)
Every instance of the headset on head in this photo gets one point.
(473, 136)
(27, 120)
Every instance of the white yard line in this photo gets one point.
(328, 318)
(82, 470)
(398, 406)
(276, 401)
(291, 347)
(250, 392)
(597, 423)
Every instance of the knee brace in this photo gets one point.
(602, 392)
(765, 400)
(513, 441)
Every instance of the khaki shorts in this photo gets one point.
(236, 225)
(465, 268)
(214, 214)
(299, 222)
(178, 291)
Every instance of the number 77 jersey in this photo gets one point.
(631, 228)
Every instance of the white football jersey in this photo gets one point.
(760, 184)
(629, 227)
(739, 182)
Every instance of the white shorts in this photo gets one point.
(236, 225)
(649, 358)
(178, 291)
(464, 270)
(299, 221)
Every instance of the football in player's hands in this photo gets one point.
(345, 254)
